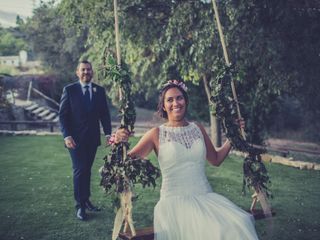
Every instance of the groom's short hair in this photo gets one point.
(84, 62)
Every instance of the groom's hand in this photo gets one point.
(69, 142)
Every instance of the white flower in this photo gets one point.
(178, 83)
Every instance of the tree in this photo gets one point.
(10, 42)
(282, 57)
(58, 47)
(142, 23)
(267, 40)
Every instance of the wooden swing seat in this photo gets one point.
(141, 234)
(259, 214)
(148, 234)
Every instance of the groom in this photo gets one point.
(83, 105)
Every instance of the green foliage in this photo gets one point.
(188, 40)
(121, 171)
(3, 99)
(198, 103)
(273, 43)
(120, 175)
(11, 42)
(119, 78)
(56, 45)
(293, 120)
(255, 173)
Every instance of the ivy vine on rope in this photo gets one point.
(121, 171)
(255, 174)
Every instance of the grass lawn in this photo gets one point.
(36, 196)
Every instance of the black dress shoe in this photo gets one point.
(91, 207)
(81, 214)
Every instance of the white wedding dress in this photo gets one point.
(188, 209)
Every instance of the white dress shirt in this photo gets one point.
(84, 89)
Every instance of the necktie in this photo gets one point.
(87, 100)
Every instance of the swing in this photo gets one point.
(119, 152)
(259, 196)
(124, 212)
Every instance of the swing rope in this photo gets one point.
(259, 193)
(226, 57)
(124, 213)
(116, 29)
(120, 171)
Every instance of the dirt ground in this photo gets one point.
(298, 146)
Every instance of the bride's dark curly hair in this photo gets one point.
(170, 84)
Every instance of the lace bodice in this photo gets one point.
(184, 135)
(182, 155)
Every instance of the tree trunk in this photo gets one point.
(215, 130)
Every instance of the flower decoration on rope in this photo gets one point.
(121, 172)
(177, 83)
(255, 173)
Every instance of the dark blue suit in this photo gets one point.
(83, 125)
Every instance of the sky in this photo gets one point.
(9, 9)
(21, 7)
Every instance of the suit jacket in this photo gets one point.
(79, 122)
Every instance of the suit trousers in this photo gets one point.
(82, 159)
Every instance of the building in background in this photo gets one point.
(19, 61)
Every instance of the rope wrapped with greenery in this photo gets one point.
(255, 174)
(120, 171)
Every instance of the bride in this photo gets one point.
(188, 209)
